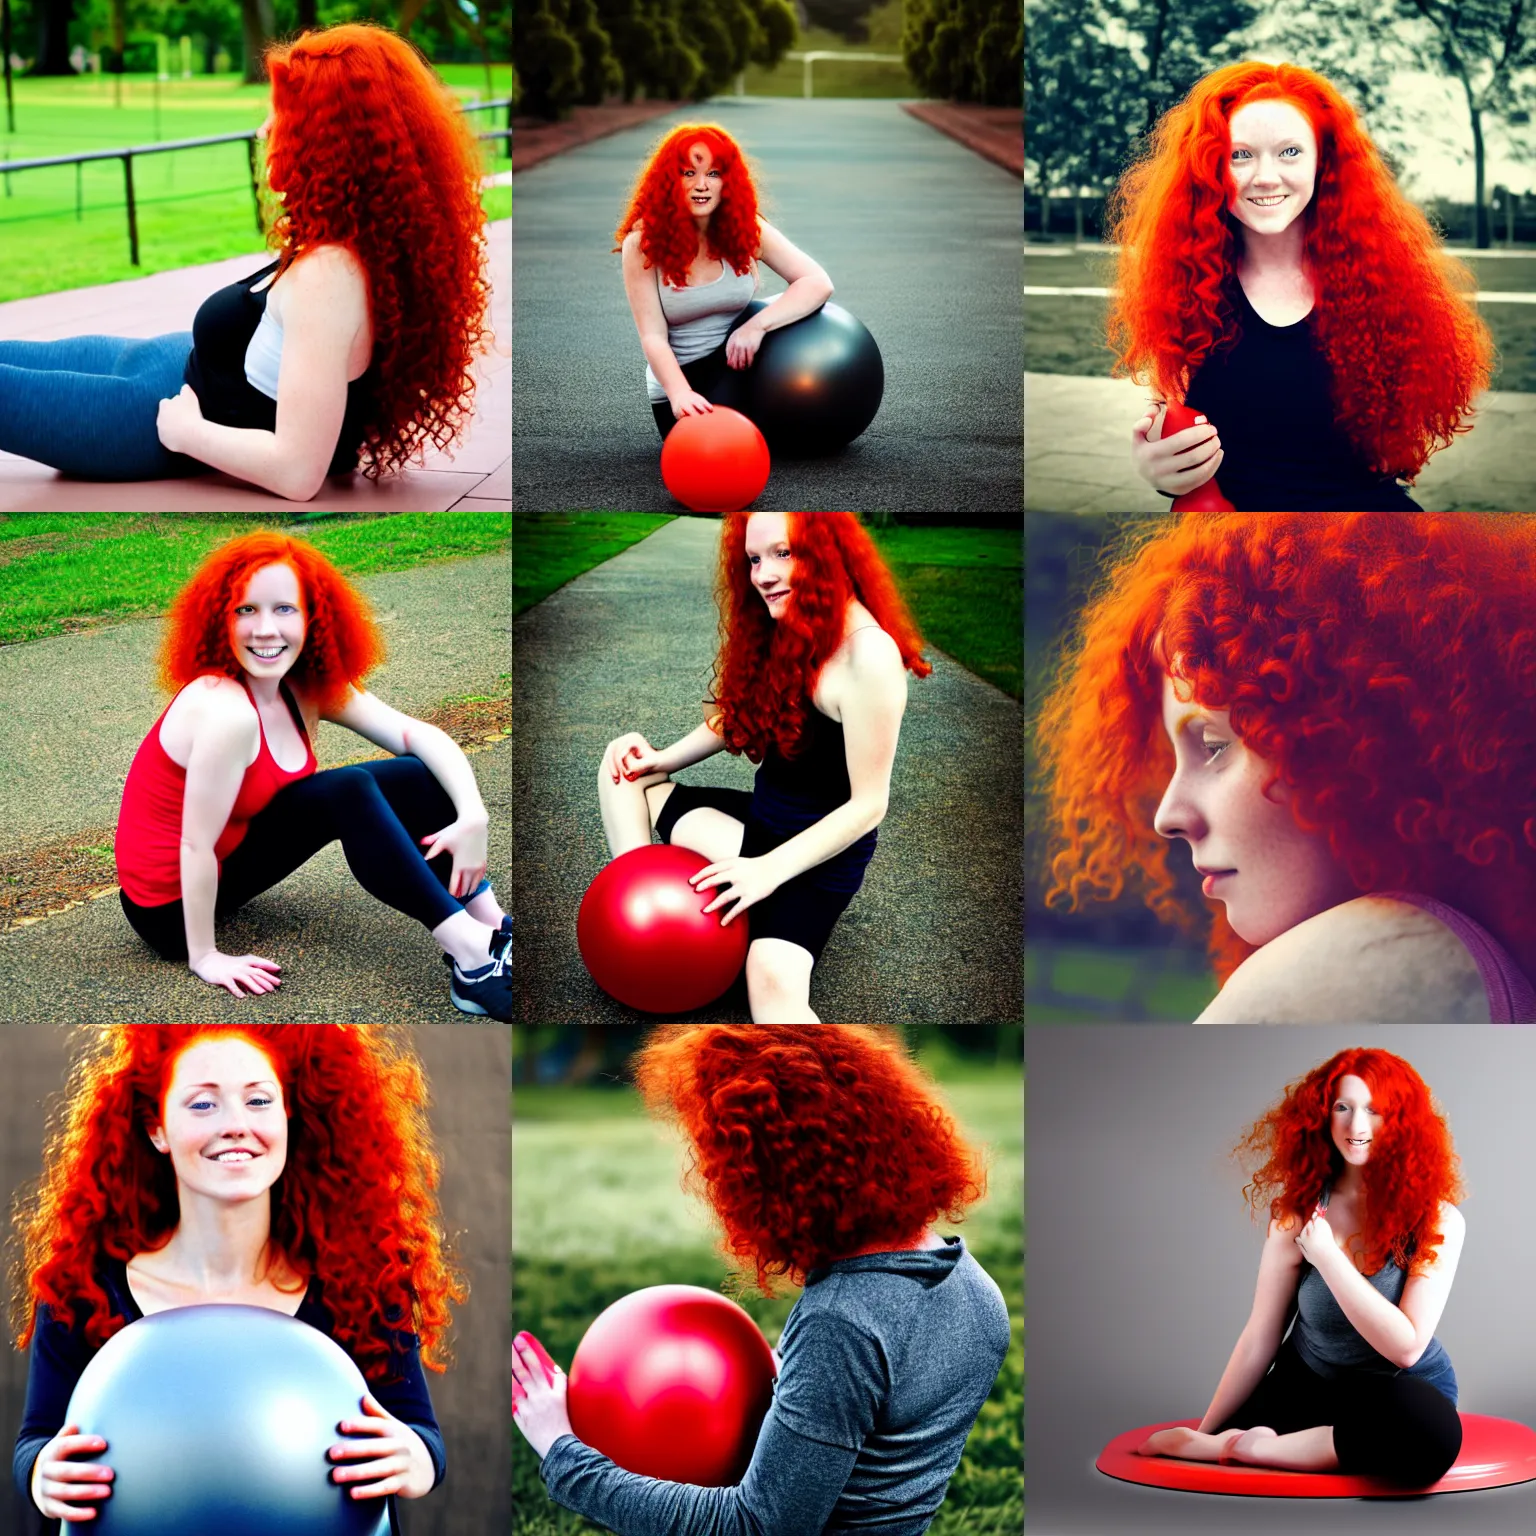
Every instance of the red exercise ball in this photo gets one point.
(1204, 498)
(717, 462)
(673, 1381)
(645, 938)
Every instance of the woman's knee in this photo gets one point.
(778, 971)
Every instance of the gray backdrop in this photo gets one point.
(469, 1067)
(1142, 1259)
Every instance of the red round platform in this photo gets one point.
(1494, 1453)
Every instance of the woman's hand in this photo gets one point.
(1179, 463)
(631, 757)
(1317, 1240)
(538, 1395)
(234, 972)
(689, 402)
(390, 1457)
(742, 344)
(178, 420)
(465, 839)
(69, 1490)
(746, 882)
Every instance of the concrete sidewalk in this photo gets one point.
(934, 934)
(76, 710)
(1077, 452)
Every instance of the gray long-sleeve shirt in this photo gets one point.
(885, 1362)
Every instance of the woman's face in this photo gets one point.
(1270, 873)
(769, 560)
(223, 1123)
(1273, 158)
(267, 626)
(1352, 1122)
(702, 181)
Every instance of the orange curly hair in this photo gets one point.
(356, 1098)
(669, 239)
(1382, 663)
(809, 1143)
(1393, 316)
(766, 668)
(370, 151)
(342, 644)
(1411, 1171)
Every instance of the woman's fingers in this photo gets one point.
(542, 1355)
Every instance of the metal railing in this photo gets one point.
(127, 156)
(810, 60)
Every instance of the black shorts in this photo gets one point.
(803, 910)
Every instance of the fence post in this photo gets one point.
(250, 155)
(809, 60)
(133, 221)
(79, 200)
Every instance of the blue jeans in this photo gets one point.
(87, 405)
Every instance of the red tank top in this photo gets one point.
(148, 845)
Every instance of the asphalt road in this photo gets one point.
(934, 934)
(921, 239)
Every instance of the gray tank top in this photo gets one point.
(1328, 1342)
(699, 317)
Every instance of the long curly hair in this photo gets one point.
(369, 150)
(1412, 1168)
(1382, 663)
(766, 668)
(669, 238)
(1393, 314)
(809, 1144)
(356, 1098)
(342, 644)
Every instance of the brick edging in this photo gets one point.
(955, 119)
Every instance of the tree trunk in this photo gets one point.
(308, 19)
(53, 19)
(1077, 215)
(256, 29)
(1154, 62)
(1483, 238)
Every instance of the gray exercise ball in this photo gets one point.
(217, 1421)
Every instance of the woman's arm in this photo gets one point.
(809, 288)
(1400, 1333)
(1273, 1297)
(645, 305)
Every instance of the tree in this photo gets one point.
(547, 58)
(257, 29)
(966, 50)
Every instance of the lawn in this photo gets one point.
(552, 548)
(597, 1211)
(1092, 984)
(192, 206)
(62, 572)
(837, 77)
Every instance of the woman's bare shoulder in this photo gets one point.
(1372, 960)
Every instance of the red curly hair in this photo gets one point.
(1382, 663)
(809, 1143)
(356, 1098)
(370, 151)
(342, 644)
(1411, 1171)
(766, 667)
(1393, 314)
(669, 238)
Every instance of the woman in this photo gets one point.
(202, 1165)
(691, 240)
(1362, 1248)
(223, 799)
(359, 338)
(1335, 714)
(827, 1156)
(811, 683)
(1272, 275)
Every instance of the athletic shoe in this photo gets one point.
(486, 990)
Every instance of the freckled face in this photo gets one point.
(770, 559)
(1273, 160)
(1270, 874)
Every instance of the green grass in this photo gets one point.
(1170, 986)
(192, 206)
(552, 548)
(833, 77)
(63, 572)
(597, 1212)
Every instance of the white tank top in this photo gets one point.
(698, 317)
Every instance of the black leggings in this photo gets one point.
(379, 811)
(712, 377)
(1394, 1427)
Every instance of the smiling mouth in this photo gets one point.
(1268, 202)
(266, 653)
(234, 1156)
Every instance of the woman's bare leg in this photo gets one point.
(1305, 1450)
(779, 982)
(1189, 1444)
(629, 808)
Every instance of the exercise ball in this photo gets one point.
(673, 1381)
(644, 936)
(717, 462)
(1204, 498)
(217, 1420)
(816, 383)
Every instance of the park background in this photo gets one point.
(598, 1211)
(468, 1072)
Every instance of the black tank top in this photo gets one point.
(818, 772)
(1270, 398)
(221, 332)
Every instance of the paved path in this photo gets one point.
(932, 937)
(77, 708)
(1077, 454)
(477, 479)
(921, 238)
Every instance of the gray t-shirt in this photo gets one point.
(886, 1360)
